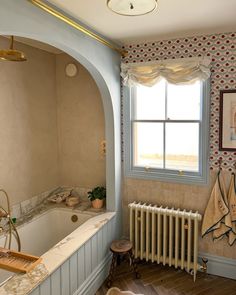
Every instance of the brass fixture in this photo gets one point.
(74, 218)
(11, 54)
(132, 7)
(76, 25)
(7, 214)
(103, 148)
(204, 264)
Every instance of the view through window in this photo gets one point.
(166, 121)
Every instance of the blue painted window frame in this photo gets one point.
(202, 177)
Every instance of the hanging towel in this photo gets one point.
(232, 209)
(217, 218)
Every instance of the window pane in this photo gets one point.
(182, 146)
(148, 144)
(150, 102)
(183, 102)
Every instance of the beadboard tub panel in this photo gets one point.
(84, 271)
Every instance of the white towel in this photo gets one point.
(217, 218)
(232, 209)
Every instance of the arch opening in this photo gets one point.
(112, 203)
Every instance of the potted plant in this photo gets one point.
(97, 196)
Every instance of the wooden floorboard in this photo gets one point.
(165, 280)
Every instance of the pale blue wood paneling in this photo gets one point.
(56, 282)
(73, 273)
(65, 279)
(35, 292)
(104, 240)
(109, 234)
(99, 236)
(81, 266)
(88, 258)
(94, 242)
(113, 226)
(45, 287)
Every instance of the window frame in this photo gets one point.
(169, 175)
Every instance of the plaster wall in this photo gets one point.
(28, 120)
(81, 127)
(51, 125)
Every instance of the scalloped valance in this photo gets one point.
(175, 71)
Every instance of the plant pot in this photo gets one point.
(97, 204)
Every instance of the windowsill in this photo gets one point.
(164, 177)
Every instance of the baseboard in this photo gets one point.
(96, 278)
(220, 266)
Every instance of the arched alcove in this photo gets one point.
(24, 20)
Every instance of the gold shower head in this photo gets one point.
(12, 54)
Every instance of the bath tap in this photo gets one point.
(2, 214)
(7, 214)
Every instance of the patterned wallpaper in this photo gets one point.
(221, 48)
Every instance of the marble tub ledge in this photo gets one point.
(23, 284)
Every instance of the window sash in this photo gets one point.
(164, 144)
(134, 110)
(202, 177)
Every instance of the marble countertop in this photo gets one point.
(22, 284)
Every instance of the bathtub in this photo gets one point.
(75, 255)
(43, 232)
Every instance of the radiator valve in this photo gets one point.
(204, 264)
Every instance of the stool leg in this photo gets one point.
(112, 270)
(134, 265)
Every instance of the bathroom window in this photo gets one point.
(166, 132)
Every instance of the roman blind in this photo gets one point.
(175, 71)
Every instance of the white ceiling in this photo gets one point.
(173, 18)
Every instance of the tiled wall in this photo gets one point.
(221, 48)
(23, 208)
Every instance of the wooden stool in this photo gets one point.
(121, 248)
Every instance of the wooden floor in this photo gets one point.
(164, 280)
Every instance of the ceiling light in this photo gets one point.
(132, 7)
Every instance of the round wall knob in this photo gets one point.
(71, 70)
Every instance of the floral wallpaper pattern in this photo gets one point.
(221, 48)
